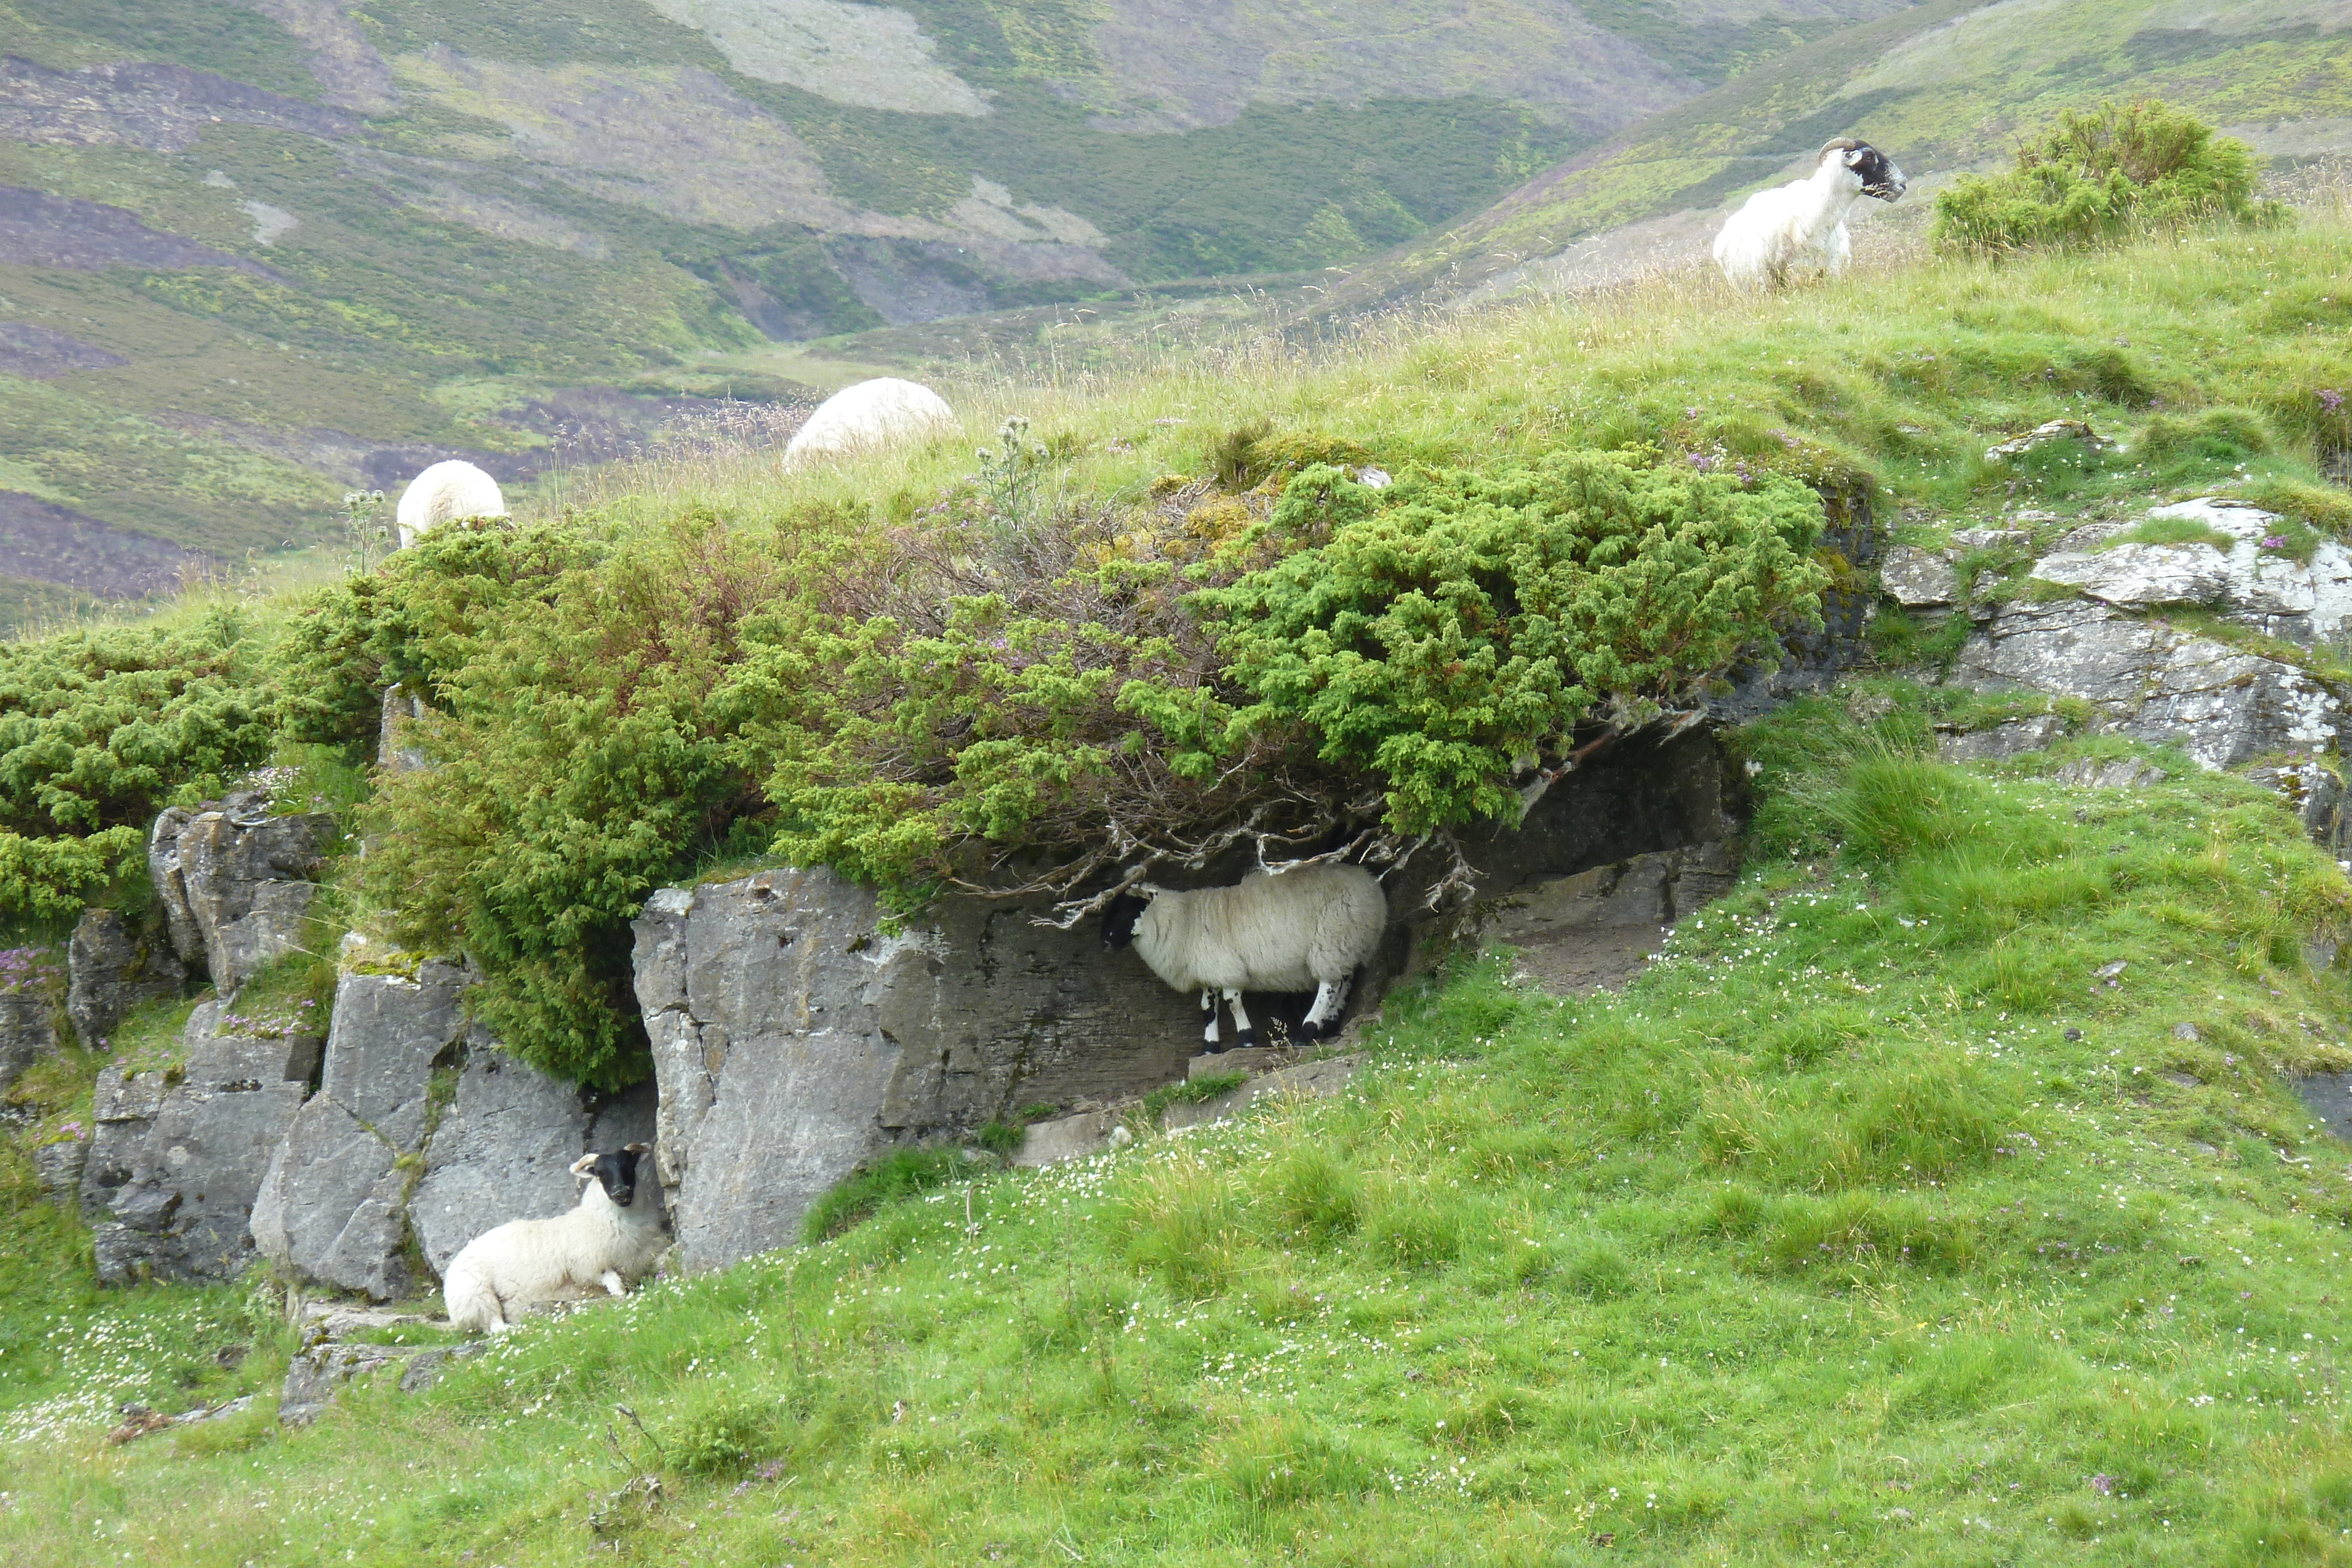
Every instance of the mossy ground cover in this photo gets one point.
(1872, 1223)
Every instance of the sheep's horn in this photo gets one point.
(637, 1149)
(584, 1165)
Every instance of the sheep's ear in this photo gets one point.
(1855, 155)
(638, 1149)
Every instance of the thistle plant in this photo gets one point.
(1010, 473)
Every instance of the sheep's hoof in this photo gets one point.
(1246, 1039)
(1308, 1030)
(1215, 1047)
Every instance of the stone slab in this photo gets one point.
(1308, 1080)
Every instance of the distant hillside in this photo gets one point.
(1942, 87)
(254, 252)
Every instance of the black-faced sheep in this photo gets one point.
(609, 1240)
(868, 416)
(1804, 221)
(442, 494)
(1298, 930)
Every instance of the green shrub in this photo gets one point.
(2100, 176)
(723, 1434)
(1432, 636)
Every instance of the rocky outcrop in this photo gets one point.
(423, 1135)
(111, 968)
(792, 1038)
(178, 1193)
(233, 882)
(505, 1147)
(2155, 683)
(28, 1010)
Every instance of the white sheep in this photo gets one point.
(1804, 221)
(442, 494)
(1291, 931)
(876, 413)
(608, 1240)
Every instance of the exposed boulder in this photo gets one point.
(793, 1039)
(28, 1010)
(122, 1109)
(332, 1208)
(2056, 433)
(182, 1209)
(2320, 798)
(2154, 683)
(1918, 579)
(2014, 738)
(110, 970)
(2253, 582)
(57, 1166)
(423, 1135)
(235, 884)
(505, 1147)
(396, 749)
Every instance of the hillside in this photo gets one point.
(1946, 1192)
(255, 254)
(1942, 87)
(1865, 1226)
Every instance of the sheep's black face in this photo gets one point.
(1119, 918)
(1877, 172)
(619, 1173)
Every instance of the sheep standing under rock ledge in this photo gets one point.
(609, 1240)
(1804, 221)
(1306, 929)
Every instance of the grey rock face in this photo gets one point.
(791, 1039)
(183, 1207)
(29, 1028)
(2320, 800)
(2257, 587)
(234, 882)
(2054, 433)
(2156, 683)
(505, 1148)
(343, 1203)
(124, 1109)
(319, 1374)
(395, 750)
(332, 1206)
(1917, 579)
(2015, 738)
(112, 969)
(58, 1166)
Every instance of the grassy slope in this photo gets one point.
(1945, 86)
(1824, 1242)
(1654, 1245)
(1904, 373)
(391, 324)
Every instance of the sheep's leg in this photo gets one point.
(1209, 1006)
(1330, 997)
(612, 1286)
(1244, 1031)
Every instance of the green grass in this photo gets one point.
(1869, 1226)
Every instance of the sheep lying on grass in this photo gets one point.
(1301, 930)
(609, 1240)
(442, 494)
(871, 415)
(1804, 221)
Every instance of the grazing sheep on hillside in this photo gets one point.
(871, 415)
(1302, 929)
(1805, 220)
(442, 494)
(609, 1240)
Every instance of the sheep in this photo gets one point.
(875, 414)
(1288, 931)
(1804, 220)
(442, 494)
(605, 1241)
